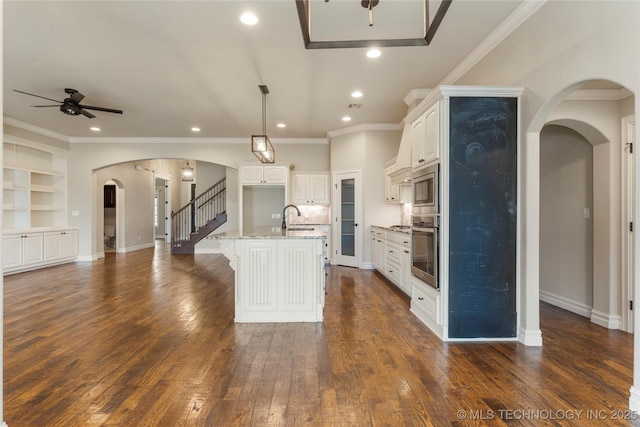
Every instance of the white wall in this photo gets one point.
(566, 237)
(369, 150)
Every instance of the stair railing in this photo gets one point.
(199, 211)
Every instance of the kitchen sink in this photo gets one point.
(300, 229)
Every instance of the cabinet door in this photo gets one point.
(299, 189)
(33, 248)
(391, 191)
(406, 270)
(417, 143)
(319, 189)
(275, 175)
(11, 251)
(52, 246)
(251, 174)
(432, 133)
(296, 267)
(259, 276)
(69, 244)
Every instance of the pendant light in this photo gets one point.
(187, 173)
(260, 145)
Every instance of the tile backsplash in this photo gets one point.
(311, 214)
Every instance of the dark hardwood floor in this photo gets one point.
(148, 339)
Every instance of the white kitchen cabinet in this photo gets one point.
(30, 250)
(263, 174)
(378, 241)
(60, 245)
(426, 137)
(391, 256)
(22, 251)
(310, 188)
(278, 279)
(326, 229)
(395, 193)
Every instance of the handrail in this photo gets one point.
(198, 213)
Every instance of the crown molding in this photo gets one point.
(189, 140)
(523, 12)
(599, 95)
(415, 94)
(365, 127)
(36, 129)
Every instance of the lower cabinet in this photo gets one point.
(31, 250)
(391, 256)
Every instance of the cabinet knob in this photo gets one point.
(421, 160)
(406, 252)
(420, 298)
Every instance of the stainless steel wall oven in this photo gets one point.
(425, 248)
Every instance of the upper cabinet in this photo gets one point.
(263, 174)
(426, 137)
(395, 193)
(34, 185)
(310, 188)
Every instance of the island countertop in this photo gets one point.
(294, 232)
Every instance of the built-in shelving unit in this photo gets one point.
(34, 206)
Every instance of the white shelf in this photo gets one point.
(34, 180)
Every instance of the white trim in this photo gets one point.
(428, 321)
(634, 399)
(90, 258)
(188, 140)
(367, 266)
(609, 321)
(599, 95)
(573, 306)
(207, 251)
(510, 339)
(415, 94)
(32, 128)
(523, 12)
(11, 139)
(136, 248)
(365, 127)
(530, 337)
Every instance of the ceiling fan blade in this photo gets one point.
(108, 110)
(86, 113)
(39, 106)
(37, 96)
(76, 97)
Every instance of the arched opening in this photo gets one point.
(591, 111)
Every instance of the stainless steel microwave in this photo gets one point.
(425, 188)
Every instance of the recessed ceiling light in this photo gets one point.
(346, 119)
(281, 125)
(356, 94)
(373, 53)
(95, 129)
(195, 129)
(249, 19)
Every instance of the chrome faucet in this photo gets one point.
(284, 218)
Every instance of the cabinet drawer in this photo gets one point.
(394, 272)
(394, 254)
(426, 299)
(402, 239)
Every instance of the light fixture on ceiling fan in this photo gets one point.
(260, 145)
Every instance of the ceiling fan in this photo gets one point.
(71, 105)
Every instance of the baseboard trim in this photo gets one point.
(136, 248)
(605, 320)
(566, 303)
(634, 399)
(530, 337)
(203, 251)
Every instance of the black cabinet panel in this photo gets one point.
(482, 217)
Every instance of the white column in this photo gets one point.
(529, 331)
(634, 398)
(1, 222)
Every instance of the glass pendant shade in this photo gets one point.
(262, 148)
(187, 173)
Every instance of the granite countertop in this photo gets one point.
(272, 233)
(396, 229)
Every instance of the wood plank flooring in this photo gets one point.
(148, 339)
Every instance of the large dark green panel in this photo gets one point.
(482, 217)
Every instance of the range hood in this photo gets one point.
(401, 171)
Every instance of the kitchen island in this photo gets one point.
(279, 274)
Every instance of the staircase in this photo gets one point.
(198, 218)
